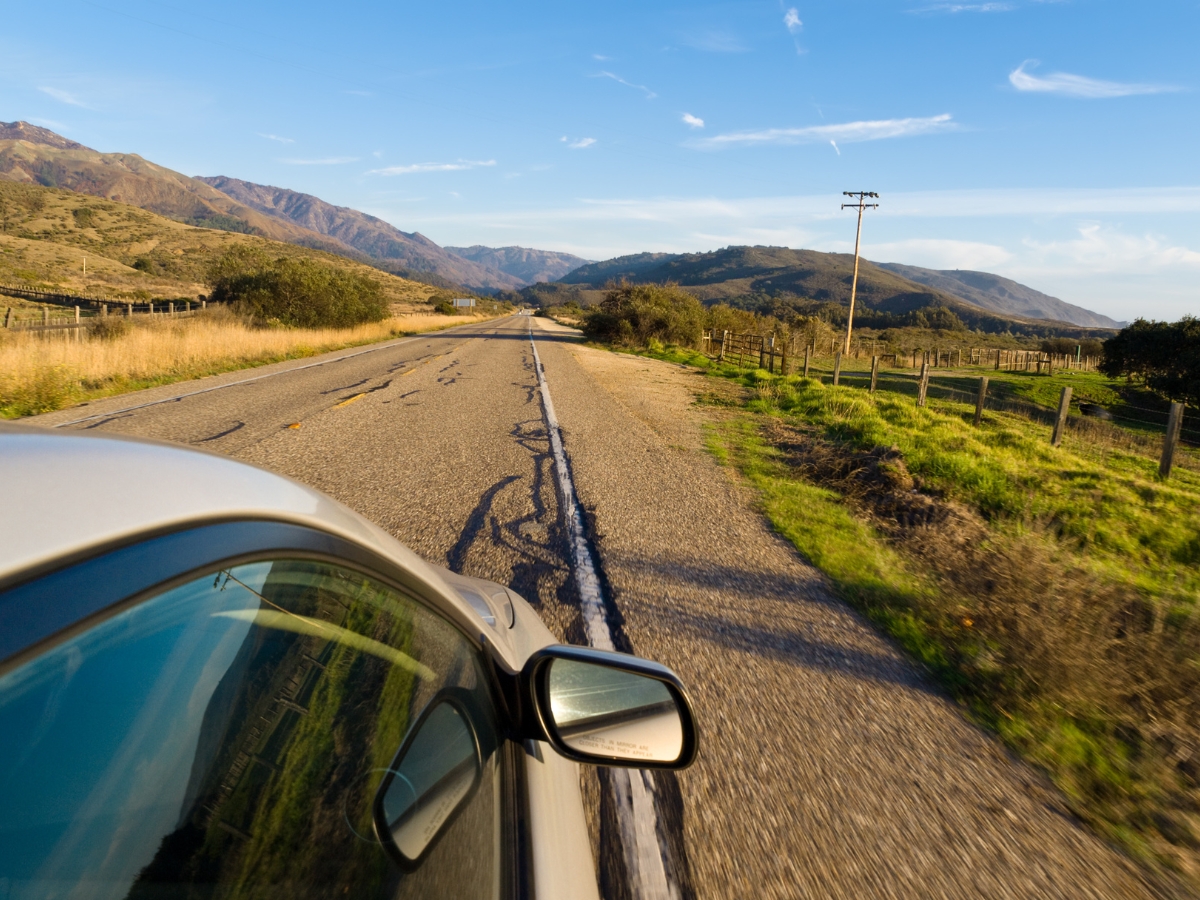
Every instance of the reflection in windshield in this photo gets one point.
(231, 732)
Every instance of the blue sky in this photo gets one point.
(1053, 142)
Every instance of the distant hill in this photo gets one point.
(527, 265)
(1001, 295)
(38, 156)
(131, 253)
(622, 268)
(367, 234)
(808, 281)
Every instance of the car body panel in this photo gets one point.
(70, 496)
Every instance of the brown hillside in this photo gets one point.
(46, 233)
(367, 234)
(128, 178)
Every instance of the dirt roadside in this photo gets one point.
(830, 766)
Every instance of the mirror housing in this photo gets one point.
(609, 709)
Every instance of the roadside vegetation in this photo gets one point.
(41, 374)
(1053, 592)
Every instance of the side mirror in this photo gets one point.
(433, 774)
(612, 709)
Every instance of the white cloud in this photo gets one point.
(792, 21)
(715, 42)
(275, 137)
(63, 96)
(650, 95)
(694, 121)
(328, 161)
(936, 253)
(582, 143)
(846, 132)
(835, 147)
(458, 166)
(1100, 249)
(1078, 85)
(601, 57)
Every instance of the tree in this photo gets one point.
(638, 313)
(296, 292)
(1165, 355)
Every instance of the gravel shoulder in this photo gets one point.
(830, 765)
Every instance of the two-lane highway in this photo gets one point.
(829, 766)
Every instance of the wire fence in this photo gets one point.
(1142, 430)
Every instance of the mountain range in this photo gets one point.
(1001, 295)
(746, 275)
(772, 279)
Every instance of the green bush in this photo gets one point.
(635, 314)
(1166, 355)
(296, 292)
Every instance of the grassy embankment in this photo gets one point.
(44, 374)
(1052, 591)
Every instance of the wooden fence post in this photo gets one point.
(1171, 439)
(837, 367)
(103, 310)
(979, 401)
(1060, 421)
(923, 384)
(76, 315)
(8, 318)
(806, 359)
(783, 358)
(45, 315)
(874, 372)
(724, 341)
(771, 364)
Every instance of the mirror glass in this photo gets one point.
(607, 712)
(430, 779)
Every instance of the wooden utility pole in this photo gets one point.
(860, 206)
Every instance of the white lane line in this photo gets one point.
(220, 387)
(633, 789)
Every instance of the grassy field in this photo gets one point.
(1052, 591)
(42, 374)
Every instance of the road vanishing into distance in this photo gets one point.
(829, 765)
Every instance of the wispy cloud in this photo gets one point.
(953, 8)
(835, 147)
(715, 41)
(1067, 85)
(846, 132)
(694, 121)
(457, 166)
(581, 144)
(63, 96)
(328, 161)
(791, 20)
(601, 57)
(650, 95)
(939, 253)
(275, 137)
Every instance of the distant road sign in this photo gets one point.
(463, 301)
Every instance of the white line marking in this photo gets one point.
(633, 789)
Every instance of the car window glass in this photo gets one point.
(230, 738)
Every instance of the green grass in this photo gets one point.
(1084, 655)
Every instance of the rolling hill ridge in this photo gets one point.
(366, 234)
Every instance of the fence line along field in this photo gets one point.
(1142, 425)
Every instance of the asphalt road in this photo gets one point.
(829, 767)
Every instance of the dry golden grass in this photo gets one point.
(43, 373)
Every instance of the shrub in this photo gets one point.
(633, 314)
(1166, 355)
(109, 328)
(445, 307)
(295, 292)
